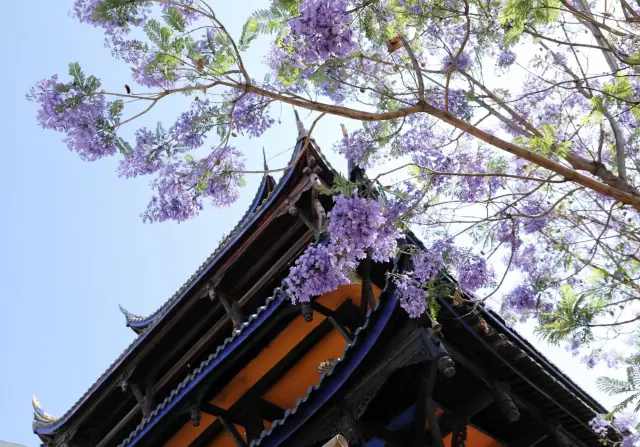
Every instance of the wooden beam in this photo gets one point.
(366, 295)
(530, 438)
(338, 327)
(420, 416)
(465, 411)
(434, 427)
(229, 427)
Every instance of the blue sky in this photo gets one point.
(72, 244)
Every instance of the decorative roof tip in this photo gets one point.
(130, 317)
(264, 157)
(302, 132)
(351, 166)
(40, 418)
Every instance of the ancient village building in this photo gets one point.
(229, 361)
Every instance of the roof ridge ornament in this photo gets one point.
(40, 417)
(130, 316)
(302, 131)
(264, 158)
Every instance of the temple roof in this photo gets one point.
(265, 195)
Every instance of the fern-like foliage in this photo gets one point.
(629, 386)
(266, 21)
(572, 318)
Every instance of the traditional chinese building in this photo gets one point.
(229, 361)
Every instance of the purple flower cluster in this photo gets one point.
(251, 115)
(426, 265)
(316, 272)
(533, 224)
(114, 20)
(172, 200)
(473, 273)
(355, 225)
(150, 73)
(186, 7)
(80, 116)
(322, 31)
(458, 102)
(600, 426)
(505, 59)
(181, 187)
(521, 301)
(142, 160)
(414, 8)
(624, 424)
(189, 129)
(413, 298)
(359, 147)
(462, 63)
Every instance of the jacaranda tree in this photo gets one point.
(540, 178)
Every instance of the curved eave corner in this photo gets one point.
(41, 419)
(137, 323)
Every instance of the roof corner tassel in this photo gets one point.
(40, 417)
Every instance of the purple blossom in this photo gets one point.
(462, 63)
(172, 200)
(600, 425)
(144, 159)
(590, 360)
(354, 223)
(84, 118)
(251, 114)
(319, 270)
(359, 147)
(413, 298)
(626, 423)
(190, 127)
(506, 58)
(114, 20)
(186, 7)
(150, 73)
(322, 30)
(473, 273)
(521, 301)
(181, 187)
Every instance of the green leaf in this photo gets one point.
(76, 73)
(62, 88)
(264, 21)
(174, 19)
(634, 59)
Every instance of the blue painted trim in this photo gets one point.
(60, 422)
(248, 331)
(346, 369)
(256, 202)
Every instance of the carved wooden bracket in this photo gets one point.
(231, 307)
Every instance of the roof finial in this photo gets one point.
(40, 418)
(130, 317)
(350, 164)
(302, 132)
(264, 157)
